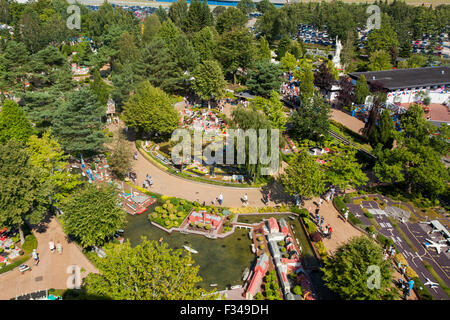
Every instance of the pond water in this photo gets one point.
(221, 261)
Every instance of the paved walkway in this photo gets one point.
(342, 231)
(51, 272)
(347, 120)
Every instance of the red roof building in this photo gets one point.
(273, 225)
(260, 270)
(205, 218)
(284, 227)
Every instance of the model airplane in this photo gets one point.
(435, 245)
(431, 284)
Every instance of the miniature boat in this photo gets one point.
(291, 217)
(190, 249)
(250, 235)
(213, 285)
(245, 274)
(253, 248)
(236, 287)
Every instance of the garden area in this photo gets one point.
(12, 254)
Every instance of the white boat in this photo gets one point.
(190, 249)
(236, 287)
(213, 285)
(250, 235)
(253, 248)
(291, 217)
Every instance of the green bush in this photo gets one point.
(385, 241)
(368, 214)
(297, 290)
(29, 244)
(370, 229)
(347, 199)
(15, 239)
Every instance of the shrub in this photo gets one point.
(370, 229)
(347, 199)
(30, 244)
(262, 246)
(368, 214)
(281, 243)
(283, 249)
(422, 291)
(167, 222)
(15, 239)
(297, 290)
(208, 226)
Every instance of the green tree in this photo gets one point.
(288, 62)
(251, 118)
(384, 132)
(304, 176)
(204, 42)
(273, 109)
(48, 157)
(78, 126)
(120, 158)
(178, 12)
(100, 88)
(209, 82)
(246, 6)
(265, 78)
(264, 5)
(229, 19)
(234, 51)
(199, 16)
(14, 124)
(148, 271)
(312, 119)
(379, 60)
(152, 25)
(150, 110)
(305, 74)
(23, 197)
(93, 214)
(347, 271)
(161, 13)
(344, 171)
(263, 50)
(361, 90)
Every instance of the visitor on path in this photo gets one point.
(321, 222)
(35, 256)
(325, 232)
(346, 215)
(320, 201)
(145, 184)
(245, 200)
(410, 286)
(220, 199)
(317, 218)
(51, 246)
(150, 182)
(135, 155)
(330, 231)
(59, 247)
(269, 195)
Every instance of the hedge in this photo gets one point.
(421, 290)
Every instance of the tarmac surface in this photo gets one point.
(417, 234)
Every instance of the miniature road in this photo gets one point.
(417, 235)
(51, 272)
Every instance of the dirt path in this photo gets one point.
(51, 272)
(350, 122)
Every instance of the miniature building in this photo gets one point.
(205, 218)
(273, 225)
(260, 270)
(284, 227)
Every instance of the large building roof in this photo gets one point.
(407, 78)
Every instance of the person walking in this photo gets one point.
(35, 256)
(220, 199)
(135, 155)
(269, 195)
(317, 218)
(410, 286)
(320, 201)
(346, 215)
(51, 246)
(245, 200)
(150, 182)
(321, 222)
(330, 231)
(59, 247)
